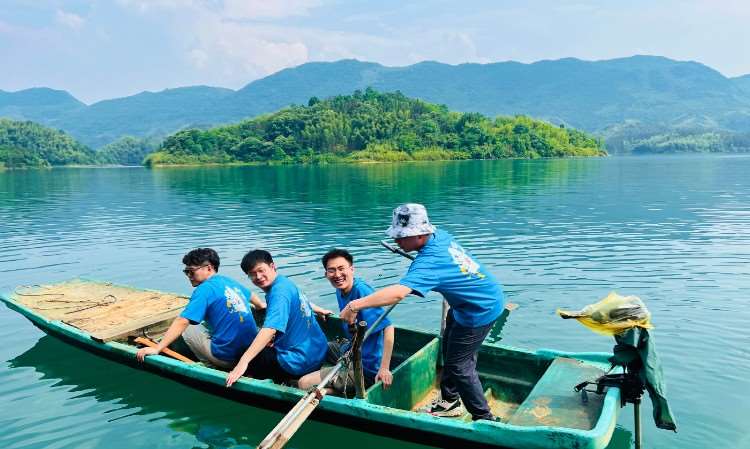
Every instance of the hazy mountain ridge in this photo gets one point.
(39, 104)
(596, 96)
(743, 82)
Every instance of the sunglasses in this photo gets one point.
(191, 271)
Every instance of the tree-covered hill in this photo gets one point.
(127, 150)
(595, 96)
(28, 144)
(372, 126)
(634, 138)
(590, 95)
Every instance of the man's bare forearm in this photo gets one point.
(176, 329)
(388, 339)
(383, 297)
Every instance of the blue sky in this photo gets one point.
(98, 49)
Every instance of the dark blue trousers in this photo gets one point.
(460, 379)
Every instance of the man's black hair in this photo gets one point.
(202, 256)
(337, 252)
(255, 257)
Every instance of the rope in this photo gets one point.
(114, 300)
(90, 303)
(19, 293)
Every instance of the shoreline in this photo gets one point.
(281, 163)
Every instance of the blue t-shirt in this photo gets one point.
(224, 304)
(475, 296)
(300, 343)
(372, 348)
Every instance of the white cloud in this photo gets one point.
(243, 51)
(230, 9)
(198, 58)
(145, 6)
(272, 9)
(69, 19)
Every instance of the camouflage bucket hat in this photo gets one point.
(410, 220)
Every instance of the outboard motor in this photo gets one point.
(627, 319)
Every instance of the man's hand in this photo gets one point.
(348, 315)
(384, 375)
(236, 373)
(323, 313)
(143, 352)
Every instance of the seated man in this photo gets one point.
(376, 350)
(299, 345)
(219, 301)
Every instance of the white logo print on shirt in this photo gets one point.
(235, 301)
(465, 263)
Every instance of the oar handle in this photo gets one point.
(395, 250)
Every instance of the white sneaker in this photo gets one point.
(446, 408)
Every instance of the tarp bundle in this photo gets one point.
(628, 320)
(636, 349)
(612, 315)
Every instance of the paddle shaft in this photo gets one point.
(289, 424)
(175, 355)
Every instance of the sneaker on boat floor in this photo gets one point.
(446, 408)
(493, 418)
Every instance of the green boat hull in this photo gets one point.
(538, 385)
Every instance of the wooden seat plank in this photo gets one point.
(553, 402)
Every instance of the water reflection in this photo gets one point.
(134, 408)
(673, 231)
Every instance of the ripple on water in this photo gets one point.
(556, 234)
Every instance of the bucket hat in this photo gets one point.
(409, 220)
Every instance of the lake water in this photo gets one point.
(557, 233)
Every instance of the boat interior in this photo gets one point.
(522, 387)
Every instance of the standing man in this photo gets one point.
(475, 297)
(219, 301)
(376, 350)
(291, 343)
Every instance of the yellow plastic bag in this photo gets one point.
(612, 315)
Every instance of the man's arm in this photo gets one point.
(176, 329)
(261, 340)
(383, 297)
(257, 302)
(321, 312)
(384, 373)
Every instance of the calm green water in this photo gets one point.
(562, 233)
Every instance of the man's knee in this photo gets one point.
(460, 369)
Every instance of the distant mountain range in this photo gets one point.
(596, 96)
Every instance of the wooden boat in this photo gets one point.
(531, 392)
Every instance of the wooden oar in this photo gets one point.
(166, 351)
(289, 424)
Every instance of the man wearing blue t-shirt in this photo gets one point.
(475, 297)
(222, 303)
(376, 350)
(291, 342)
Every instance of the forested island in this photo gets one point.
(364, 127)
(25, 144)
(372, 126)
